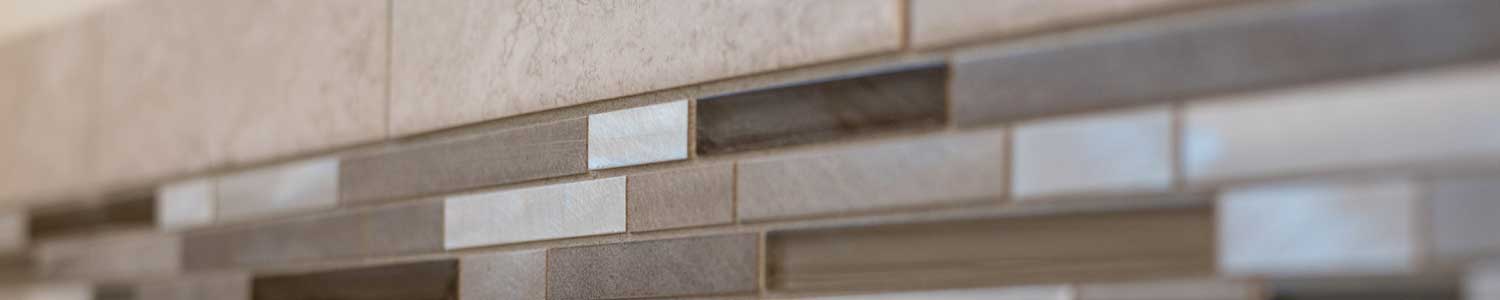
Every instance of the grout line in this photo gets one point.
(906, 24)
(762, 264)
(1174, 151)
(1424, 258)
(734, 188)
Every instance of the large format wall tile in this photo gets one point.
(382, 231)
(537, 213)
(185, 204)
(511, 275)
(1283, 42)
(1394, 121)
(940, 22)
(681, 198)
(495, 158)
(662, 268)
(1365, 226)
(463, 61)
(639, 135)
(432, 280)
(295, 187)
(47, 84)
(922, 171)
(809, 112)
(1125, 151)
(114, 256)
(1136, 245)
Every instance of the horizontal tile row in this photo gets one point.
(254, 194)
(936, 23)
(548, 212)
(407, 228)
(1173, 289)
(117, 255)
(432, 280)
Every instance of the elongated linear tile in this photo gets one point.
(133, 211)
(408, 228)
(508, 156)
(225, 286)
(185, 204)
(48, 291)
(1406, 120)
(912, 172)
(538, 213)
(295, 187)
(817, 111)
(636, 136)
(1462, 214)
(1173, 289)
(431, 280)
(1272, 44)
(1360, 226)
(1047, 292)
(13, 234)
(942, 22)
(495, 52)
(511, 275)
(1126, 151)
(681, 198)
(115, 255)
(661, 268)
(1058, 249)
(1482, 281)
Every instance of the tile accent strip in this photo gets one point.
(1102, 153)
(941, 22)
(661, 268)
(407, 228)
(226, 286)
(294, 187)
(537, 213)
(641, 135)
(508, 275)
(431, 280)
(115, 256)
(92, 217)
(681, 198)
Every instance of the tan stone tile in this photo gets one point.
(224, 286)
(276, 190)
(681, 198)
(117, 255)
(661, 268)
(508, 275)
(48, 86)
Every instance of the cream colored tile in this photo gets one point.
(463, 61)
(1124, 151)
(1365, 226)
(47, 84)
(289, 188)
(185, 204)
(940, 22)
(639, 135)
(537, 213)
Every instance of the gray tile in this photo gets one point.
(929, 170)
(662, 268)
(1281, 43)
(1343, 227)
(511, 275)
(408, 228)
(13, 235)
(1463, 215)
(943, 22)
(1039, 292)
(536, 213)
(226, 286)
(640, 135)
(812, 112)
(1112, 152)
(283, 189)
(512, 155)
(431, 280)
(116, 255)
(48, 291)
(681, 198)
(185, 204)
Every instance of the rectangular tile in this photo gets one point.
(1482, 282)
(1271, 44)
(47, 291)
(431, 280)
(828, 109)
(1407, 120)
(929, 170)
(1137, 245)
(115, 255)
(537, 213)
(72, 218)
(1462, 215)
(1173, 289)
(510, 275)
(1045, 292)
(681, 198)
(184, 204)
(1357, 226)
(294, 187)
(496, 51)
(661, 268)
(13, 233)
(407, 228)
(944, 22)
(637, 136)
(1112, 152)
(227, 286)
(507, 156)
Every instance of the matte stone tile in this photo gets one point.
(1220, 52)
(942, 22)
(13, 233)
(109, 256)
(185, 204)
(1122, 151)
(48, 291)
(1173, 289)
(512, 275)
(681, 198)
(661, 268)
(505, 58)
(1364, 226)
(810, 112)
(508, 156)
(537, 213)
(1045, 292)
(637, 136)
(1463, 215)
(1483, 281)
(929, 170)
(1408, 120)
(408, 228)
(44, 128)
(278, 190)
(1037, 250)
(231, 286)
(91, 217)
(432, 280)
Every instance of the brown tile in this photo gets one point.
(681, 198)
(85, 217)
(1220, 52)
(382, 231)
(231, 286)
(432, 280)
(811, 112)
(662, 268)
(511, 275)
(925, 171)
(512, 155)
(1019, 251)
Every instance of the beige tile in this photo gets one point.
(47, 86)
(681, 198)
(661, 268)
(536, 213)
(941, 22)
(117, 255)
(282, 189)
(640, 135)
(1125, 151)
(1046, 292)
(385, 231)
(1412, 119)
(509, 275)
(217, 286)
(929, 170)
(463, 61)
(1309, 228)
(184, 204)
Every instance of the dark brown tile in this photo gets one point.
(513, 155)
(433, 280)
(133, 212)
(663, 268)
(383, 231)
(1170, 243)
(681, 198)
(806, 113)
(1287, 43)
